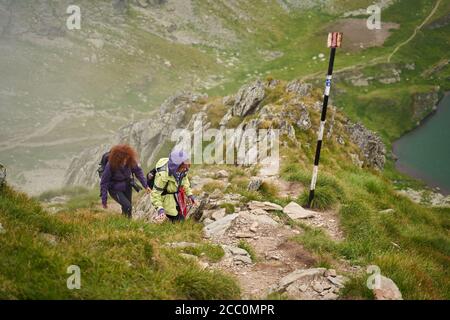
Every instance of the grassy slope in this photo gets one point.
(410, 245)
(387, 108)
(118, 258)
(420, 265)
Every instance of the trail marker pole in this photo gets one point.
(334, 41)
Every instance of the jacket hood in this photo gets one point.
(176, 158)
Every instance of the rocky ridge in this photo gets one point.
(275, 263)
(147, 136)
(248, 105)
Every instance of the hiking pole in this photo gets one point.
(334, 41)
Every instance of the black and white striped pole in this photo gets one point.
(334, 41)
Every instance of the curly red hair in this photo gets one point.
(122, 154)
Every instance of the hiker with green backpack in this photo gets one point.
(171, 187)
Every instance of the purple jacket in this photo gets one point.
(119, 179)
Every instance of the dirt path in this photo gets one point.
(433, 11)
(274, 254)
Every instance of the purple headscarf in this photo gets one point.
(176, 158)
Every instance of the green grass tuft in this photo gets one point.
(247, 247)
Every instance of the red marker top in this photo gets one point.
(334, 40)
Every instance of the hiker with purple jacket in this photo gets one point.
(117, 178)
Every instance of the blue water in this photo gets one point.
(424, 153)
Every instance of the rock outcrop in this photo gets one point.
(299, 88)
(295, 211)
(218, 228)
(426, 197)
(147, 136)
(248, 99)
(144, 210)
(236, 256)
(287, 116)
(372, 148)
(424, 104)
(311, 284)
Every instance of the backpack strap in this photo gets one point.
(163, 190)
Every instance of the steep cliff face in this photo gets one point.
(372, 148)
(293, 108)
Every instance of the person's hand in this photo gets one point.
(192, 199)
(105, 206)
(161, 216)
(148, 190)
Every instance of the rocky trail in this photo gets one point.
(260, 239)
(259, 243)
(277, 263)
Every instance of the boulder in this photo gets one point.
(254, 184)
(310, 284)
(387, 290)
(144, 209)
(264, 219)
(254, 227)
(237, 255)
(269, 206)
(338, 281)
(299, 274)
(330, 296)
(226, 118)
(304, 122)
(295, 211)
(248, 99)
(259, 212)
(222, 174)
(299, 88)
(243, 259)
(219, 227)
(330, 273)
(218, 214)
(228, 100)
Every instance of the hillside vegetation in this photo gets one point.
(118, 258)
(409, 242)
(126, 61)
